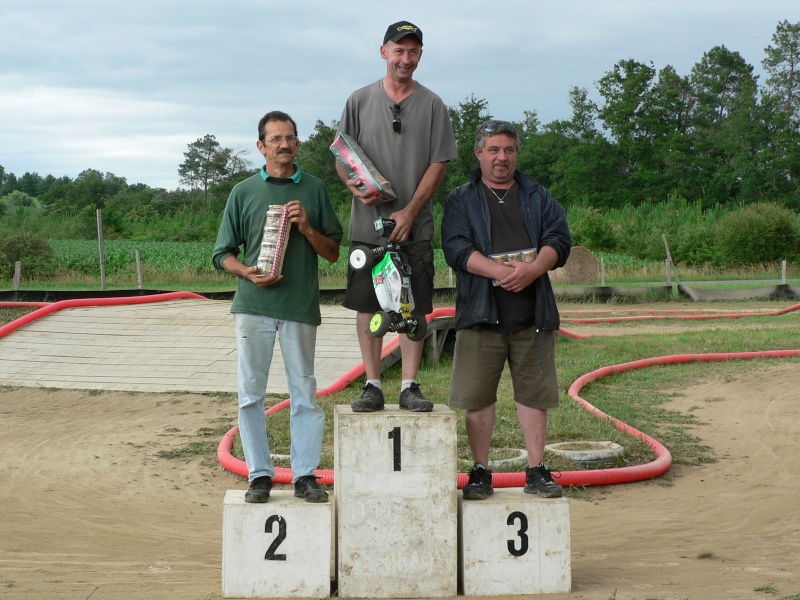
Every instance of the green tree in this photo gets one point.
(539, 148)
(29, 183)
(466, 117)
(719, 80)
(10, 183)
(626, 91)
(44, 185)
(92, 189)
(781, 99)
(782, 65)
(626, 114)
(725, 102)
(583, 124)
(587, 173)
(669, 121)
(206, 163)
(315, 157)
(582, 166)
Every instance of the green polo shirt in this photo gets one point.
(296, 296)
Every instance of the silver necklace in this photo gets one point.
(499, 199)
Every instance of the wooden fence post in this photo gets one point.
(139, 269)
(102, 249)
(17, 276)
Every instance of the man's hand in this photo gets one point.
(522, 275)
(369, 197)
(296, 213)
(233, 265)
(404, 223)
(260, 280)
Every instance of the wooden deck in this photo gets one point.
(176, 345)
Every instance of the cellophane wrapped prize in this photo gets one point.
(273, 244)
(527, 255)
(358, 166)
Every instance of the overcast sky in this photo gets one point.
(124, 87)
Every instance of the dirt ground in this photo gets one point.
(89, 511)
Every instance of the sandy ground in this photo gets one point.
(89, 511)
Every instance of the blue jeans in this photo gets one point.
(255, 338)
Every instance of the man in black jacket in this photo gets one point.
(502, 232)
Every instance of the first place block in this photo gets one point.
(278, 549)
(396, 506)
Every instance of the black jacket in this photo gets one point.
(466, 228)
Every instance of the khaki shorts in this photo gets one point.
(360, 293)
(480, 357)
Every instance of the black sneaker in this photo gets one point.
(479, 486)
(370, 400)
(412, 399)
(259, 490)
(538, 480)
(308, 488)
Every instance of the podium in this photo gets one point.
(397, 527)
(396, 505)
(278, 549)
(514, 543)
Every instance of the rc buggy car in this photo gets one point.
(391, 277)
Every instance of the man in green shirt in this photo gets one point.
(286, 303)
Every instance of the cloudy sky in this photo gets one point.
(124, 87)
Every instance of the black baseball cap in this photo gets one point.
(401, 29)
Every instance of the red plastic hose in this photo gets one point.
(649, 470)
(83, 302)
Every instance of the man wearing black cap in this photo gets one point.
(405, 130)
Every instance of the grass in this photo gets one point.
(767, 589)
(12, 314)
(187, 266)
(621, 269)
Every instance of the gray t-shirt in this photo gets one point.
(426, 137)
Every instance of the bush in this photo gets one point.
(591, 229)
(38, 259)
(758, 233)
(20, 198)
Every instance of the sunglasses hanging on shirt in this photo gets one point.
(396, 125)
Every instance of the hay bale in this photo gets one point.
(581, 267)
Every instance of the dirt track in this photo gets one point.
(90, 511)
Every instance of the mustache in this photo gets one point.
(284, 151)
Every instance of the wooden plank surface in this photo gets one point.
(178, 345)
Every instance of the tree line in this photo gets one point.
(716, 137)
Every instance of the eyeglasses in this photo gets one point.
(396, 125)
(277, 139)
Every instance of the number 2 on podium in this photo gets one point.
(271, 553)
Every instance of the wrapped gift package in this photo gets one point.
(360, 167)
(273, 243)
(528, 255)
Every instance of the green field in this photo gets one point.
(187, 266)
